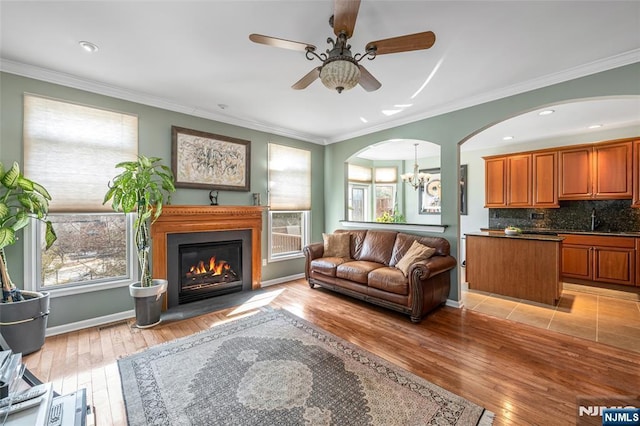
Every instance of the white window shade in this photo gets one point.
(289, 178)
(359, 173)
(386, 175)
(72, 150)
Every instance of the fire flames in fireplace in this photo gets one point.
(211, 272)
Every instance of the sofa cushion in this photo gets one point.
(416, 253)
(389, 279)
(336, 245)
(326, 265)
(357, 271)
(378, 246)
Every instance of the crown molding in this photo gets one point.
(626, 58)
(43, 74)
(68, 80)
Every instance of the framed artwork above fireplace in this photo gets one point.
(208, 161)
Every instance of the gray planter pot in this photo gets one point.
(23, 324)
(148, 302)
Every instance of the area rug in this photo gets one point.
(274, 368)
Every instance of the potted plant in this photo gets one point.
(143, 186)
(23, 314)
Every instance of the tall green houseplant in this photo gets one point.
(20, 200)
(143, 186)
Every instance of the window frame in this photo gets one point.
(33, 264)
(305, 230)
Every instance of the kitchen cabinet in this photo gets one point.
(518, 180)
(495, 170)
(602, 171)
(636, 174)
(544, 188)
(521, 180)
(599, 258)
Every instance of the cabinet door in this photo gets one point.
(495, 170)
(576, 261)
(613, 171)
(574, 174)
(614, 265)
(636, 176)
(545, 189)
(519, 180)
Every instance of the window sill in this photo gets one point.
(401, 227)
(83, 288)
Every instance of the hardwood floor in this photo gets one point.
(523, 374)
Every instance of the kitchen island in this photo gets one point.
(520, 266)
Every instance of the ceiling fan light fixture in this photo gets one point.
(341, 73)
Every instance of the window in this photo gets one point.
(289, 201)
(358, 202)
(385, 190)
(72, 151)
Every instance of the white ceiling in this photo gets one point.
(195, 57)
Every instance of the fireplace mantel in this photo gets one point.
(186, 219)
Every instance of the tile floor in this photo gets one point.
(601, 315)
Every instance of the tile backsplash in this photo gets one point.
(611, 216)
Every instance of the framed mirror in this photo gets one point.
(430, 194)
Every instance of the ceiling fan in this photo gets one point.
(340, 69)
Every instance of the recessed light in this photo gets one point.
(546, 112)
(403, 105)
(88, 46)
(364, 120)
(507, 138)
(389, 112)
(595, 126)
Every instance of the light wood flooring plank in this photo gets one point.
(524, 374)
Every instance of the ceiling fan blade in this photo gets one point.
(280, 42)
(368, 81)
(345, 13)
(309, 78)
(404, 43)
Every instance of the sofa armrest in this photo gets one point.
(312, 251)
(428, 285)
(433, 266)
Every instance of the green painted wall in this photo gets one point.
(154, 139)
(449, 130)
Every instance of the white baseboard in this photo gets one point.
(281, 280)
(455, 303)
(92, 322)
(119, 316)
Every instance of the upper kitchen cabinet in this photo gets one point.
(495, 188)
(601, 171)
(636, 175)
(545, 176)
(521, 180)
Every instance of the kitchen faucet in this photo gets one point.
(593, 219)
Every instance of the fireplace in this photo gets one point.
(201, 265)
(207, 229)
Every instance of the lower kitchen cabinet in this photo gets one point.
(599, 258)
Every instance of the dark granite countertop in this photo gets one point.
(523, 236)
(543, 231)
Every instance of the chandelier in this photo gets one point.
(416, 179)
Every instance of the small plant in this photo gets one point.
(20, 200)
(143, 186)
(387, 217)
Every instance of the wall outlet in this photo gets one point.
(537, 215)
(264, 262)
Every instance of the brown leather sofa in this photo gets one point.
(369, 273)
